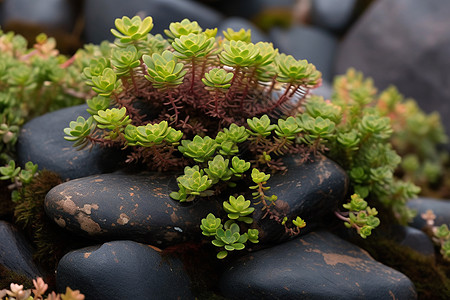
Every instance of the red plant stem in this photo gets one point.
(133, 80)
(272, 85)
(216, 98)
(283, 98)
(172, 102)
(192, 75)
(68, 62)
(341, 217)
(235, 75)
(247, 85)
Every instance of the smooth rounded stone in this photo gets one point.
(122, 270)
(415, 239)
(307, 42)
(333, 15)
(250, 9)
(237, 24)
(312, 190)
(325, 90)
(403, 43)
(441, 208)
(163, 12)
(41, 141)
(16, 252)
(316, 266)
(56, 14)
(121, 206)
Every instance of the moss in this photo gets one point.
(6, 205)
(51, 241)
(429, 275)
(8, 276)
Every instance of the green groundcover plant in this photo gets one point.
(34, 81)
(226, 110)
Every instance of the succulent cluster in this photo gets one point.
(439, 234)
(34, 81)
(228, 110)
(17, 292)
(417, 137)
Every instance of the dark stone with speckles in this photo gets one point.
(123, 270)
(316, 266)
(138, 207)
(16, 253)
(441, 208)
(121, 206)
(42, 141)
(311, 190)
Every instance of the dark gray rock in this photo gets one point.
(441, 208)
(317, 266)
(250, 9)
(16, 252)
(415, 239)
(306, 42)
(55, 14)
(135, 207)
(333, 15)
(404, 43)
(163, 12)
(312, 190)
(123, 270)
(325, 90)
(138, 207)
(41, 141)
(237, 23)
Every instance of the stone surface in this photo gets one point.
(123, 270)
(56, 14)
(138, 207)
(415, 239)
(120, 206)
(237, 23)
(163, 12)
(334, 15)
(16, 252)
(325, 90)
(404, 43)
(441, 208)
(312, 191)
(307, 42)
(250, 9)
(41, 141)
(316, 266)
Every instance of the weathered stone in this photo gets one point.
(237, 24)
(441, 208)
(121, 206)
(403, 43)
(306, 42)
(311, 190)
(316, 266)
(334, 15)
(16, 252)
(163, 13)
(41, 141)
(123, 270)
